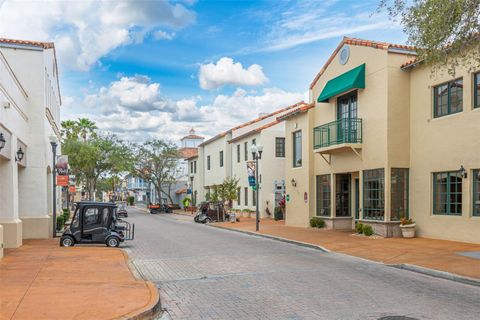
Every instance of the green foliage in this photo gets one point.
(227, 191)
(317, 222)
(405, 221)
(60, 222)
(66, 215)
(359, 228)
(186, 201)
(443, 31)
(367, 230)
(278, 213)
(131, 200)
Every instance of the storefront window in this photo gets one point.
(448, 98)
(447, 193)
(399, 194)
(374, 194)
(342, 195)
(476, 90)
(323, 195)
(476, 193)
(297, 149)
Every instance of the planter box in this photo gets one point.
(408, 230)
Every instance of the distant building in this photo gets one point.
(29, 115)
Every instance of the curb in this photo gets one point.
(436, 273)
(153, 308)
(267, 236)
(409, 267)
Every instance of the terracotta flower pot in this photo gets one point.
(408, 230)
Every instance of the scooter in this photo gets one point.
(202, 216)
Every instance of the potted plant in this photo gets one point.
(408, 228)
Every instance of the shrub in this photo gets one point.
(359, 228)
(367, 230)
(66, 215)
(60, 222)
(406, 221)
(131, 200)
(316, 222)
(278, 214)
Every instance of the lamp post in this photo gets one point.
(54, 143)
(191, 189)
(257, 155)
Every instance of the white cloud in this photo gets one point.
(135, 109)
(85, 31)
(226, 71)
(163, 35)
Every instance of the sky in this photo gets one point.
(155, 69)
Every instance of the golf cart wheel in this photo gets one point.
(67, 241)
(112, 242)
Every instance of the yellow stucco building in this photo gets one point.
(385, 138)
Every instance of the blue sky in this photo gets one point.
(147, 69)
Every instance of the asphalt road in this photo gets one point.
(209, 273)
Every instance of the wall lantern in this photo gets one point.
(20, 155)
(2, 141)
(463, 172)
(294, 183)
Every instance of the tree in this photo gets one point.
(156, 162)
(227, 191)
(445, 32)
(85, 127)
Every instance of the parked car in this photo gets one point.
(97, 222)
(122, 209)
(160, 208)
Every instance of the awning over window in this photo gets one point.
(352, 79)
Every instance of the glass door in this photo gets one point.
(346, 110)
(342, 195)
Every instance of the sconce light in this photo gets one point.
(2, 141)
(20, 155)
(6, 105)
(294, 183)
(463, 172)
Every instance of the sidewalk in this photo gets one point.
(434, 254)
(41, 280)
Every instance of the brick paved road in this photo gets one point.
(209, 273)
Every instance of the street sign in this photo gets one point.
(251, 168)
(189, 191)
(287, 197)
(72, 180)
(61, 165)
(62, 181)
(72, 189)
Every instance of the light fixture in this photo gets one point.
(2, 141)
(463, 172)
(20, 155)
(6, 105)
(294, 183)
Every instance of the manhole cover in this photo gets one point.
(397, 318)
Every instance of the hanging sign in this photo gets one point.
(61, 165)
(72, 189)
(251, 168)
(62, 181)
(72, 180)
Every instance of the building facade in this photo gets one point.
(29, 117)
(384, 139)
(226, 155)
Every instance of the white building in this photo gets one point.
(29, 114)
(225, 155)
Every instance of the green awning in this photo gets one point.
(352, 79)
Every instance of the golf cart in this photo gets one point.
(122, 209)
(97, 222)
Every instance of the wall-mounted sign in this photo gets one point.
(72, 180)
(61, 165)
(72, 189)
(287, 197)
(251, 168)
(62, 181)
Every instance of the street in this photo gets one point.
(209, 273)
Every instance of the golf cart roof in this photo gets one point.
(97, 203)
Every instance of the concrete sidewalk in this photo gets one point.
(434, 254)
(41, 280)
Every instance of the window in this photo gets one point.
(239, 193)
(208, 162)
(399, 194)
(238, 153)
(448, 98)
(447, 193)
(280, 147)
(374, 194)
(221, 158)
(323, 195)
(105, 215)
(195, 167)
(246, 150)
(91, 217)
(297, 149)
(191, 167)
(246, 197)
(342, 195)
(476, 90)
(254, 197)
(476, 193)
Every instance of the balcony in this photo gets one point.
(338, 136)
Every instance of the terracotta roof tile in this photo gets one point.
(302, 109)
(44, 45)
(360, 42)
(410, 63)
(192, 136)
(187, 153)
(180, 191)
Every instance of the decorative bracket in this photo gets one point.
(356, 152)
(329, 158)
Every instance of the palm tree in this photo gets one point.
(69, 128)
(85, 127)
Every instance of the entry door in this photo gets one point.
(346, 110)
(357, 199)
(342, 195)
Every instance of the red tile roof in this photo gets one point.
(192, 136)
(364, 43)
(180, 191)
(302, 109)
(187, 153)
(410, 63)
